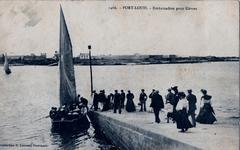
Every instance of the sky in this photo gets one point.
(33, 27)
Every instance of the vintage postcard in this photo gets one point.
(124, 74)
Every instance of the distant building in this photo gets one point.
(83, 56)
(32, 56)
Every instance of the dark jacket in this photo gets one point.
(157, 101)
(123, 96)
(176, 99)
(102, 97)
(192, 100)
(142, 97)
(151, 95)
(117, 98)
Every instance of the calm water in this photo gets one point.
(30, 91)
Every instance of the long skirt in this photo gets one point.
(130, 107)
(206, 115)
(181, 118)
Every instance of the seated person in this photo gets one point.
(53, 113)
(83, 103)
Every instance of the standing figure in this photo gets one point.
(95, 100)
(106, 102)
(151, 96)
(157, 105)
(122, 98)
(130, 106)
(117, 102)
(181, 115)
(170, 97)
(110, 100)
(143, 99)
(170, 102)
(103, 99)
(192, 100)
(176, 97)
(206, 114)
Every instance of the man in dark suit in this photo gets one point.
(117, 102)
(143, 99)
(192, 100)
(157, 105)
(123, 96)
(151, 95)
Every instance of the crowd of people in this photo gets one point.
(70, 111)
(183, 106)
(114, 101)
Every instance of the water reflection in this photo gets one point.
(79, 139)
(69, 139)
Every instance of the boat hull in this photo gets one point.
(81, 123)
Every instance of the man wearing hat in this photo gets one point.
(143, 99)
(192, 100)
(157, 105)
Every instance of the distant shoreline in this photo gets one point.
(136, 59)
(120, 64)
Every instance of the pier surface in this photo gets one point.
(137, 130)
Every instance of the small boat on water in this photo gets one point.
(71, 115)
(6, 65)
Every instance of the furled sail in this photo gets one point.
(67, 78)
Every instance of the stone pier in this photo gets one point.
(137, 131)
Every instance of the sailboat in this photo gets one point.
(70, 115)
(6, 65)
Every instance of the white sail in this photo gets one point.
(67, 78)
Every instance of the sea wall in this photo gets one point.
(130, 137)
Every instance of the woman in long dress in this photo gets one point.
(206, 114)
(180, 115)
(130, 106)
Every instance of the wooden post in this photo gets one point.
(90, 64)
